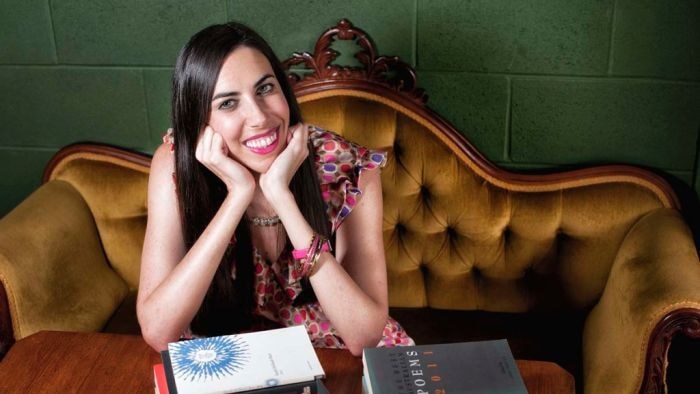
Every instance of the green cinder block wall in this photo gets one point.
(533, 84)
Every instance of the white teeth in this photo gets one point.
(262, 142)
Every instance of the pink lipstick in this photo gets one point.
(264, 143)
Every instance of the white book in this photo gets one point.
(241, 362)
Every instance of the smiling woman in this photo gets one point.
(255, 218)
(249, 109)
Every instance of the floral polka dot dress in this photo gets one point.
(339, 164)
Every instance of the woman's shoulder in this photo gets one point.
(340, 164)
(163, 160)
(333, 150)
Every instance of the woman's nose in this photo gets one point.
(255, 113)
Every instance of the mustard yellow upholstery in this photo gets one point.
(655, 271)
(115, 190)
(457, 237)
(455, 240)
(52, 264)
(70, 253)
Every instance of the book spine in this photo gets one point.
(309, 387)
(168, 368)
(365, 385)
(292, 388)
(161, 386)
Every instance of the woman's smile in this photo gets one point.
(264, 143)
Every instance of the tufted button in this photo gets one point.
(424, 193)
(400, 229)
(506, 234)
(397, 150)
(475, 272)
(451, 236)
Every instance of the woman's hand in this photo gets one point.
(276, 179)
(213, 153)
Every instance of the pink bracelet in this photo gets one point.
(299, 254)
(305, 259)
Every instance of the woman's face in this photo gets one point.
(249, 109)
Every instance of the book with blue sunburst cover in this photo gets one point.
(241, 362)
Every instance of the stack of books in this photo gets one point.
(465, 367)
(280, 361)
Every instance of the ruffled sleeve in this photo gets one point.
(169, 139)
(339, 164)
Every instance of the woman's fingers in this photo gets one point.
(300, 145)
(220, 145)
(299, 130)
(208, 140)
(290, 134)
(204, 145)
(212, 151)
(288, 161)
(296, 142)
(217, 148)
(210, 147)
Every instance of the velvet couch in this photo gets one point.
(593, 268)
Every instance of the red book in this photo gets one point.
(161, 385)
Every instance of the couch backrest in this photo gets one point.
(460, 237)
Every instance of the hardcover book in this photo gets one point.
(159, 382)
(449, 368)
(273, 361)
(315, 387)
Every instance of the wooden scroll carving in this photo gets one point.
(383, 70)
(679, 322)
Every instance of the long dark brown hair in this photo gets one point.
(228, 304)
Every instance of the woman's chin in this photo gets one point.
(260, 166)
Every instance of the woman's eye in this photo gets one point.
(266, 88)
(227, 104)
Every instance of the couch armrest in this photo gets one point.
(6, 336)
(52, 266)
(656, 275)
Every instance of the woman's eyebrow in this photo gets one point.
(261, 80)
(224, 94)
(229, 94)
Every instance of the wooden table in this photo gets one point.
(65, 362)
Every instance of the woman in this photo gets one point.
(242, 201)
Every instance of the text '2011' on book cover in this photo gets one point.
(448, 368)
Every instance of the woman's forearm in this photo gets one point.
(167, 311)
(358, 318)
(354, 314)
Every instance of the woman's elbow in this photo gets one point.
(154, 338)
(157, 344)
(368, 341)
(355, 350)
(150, 334)
(153, 334)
